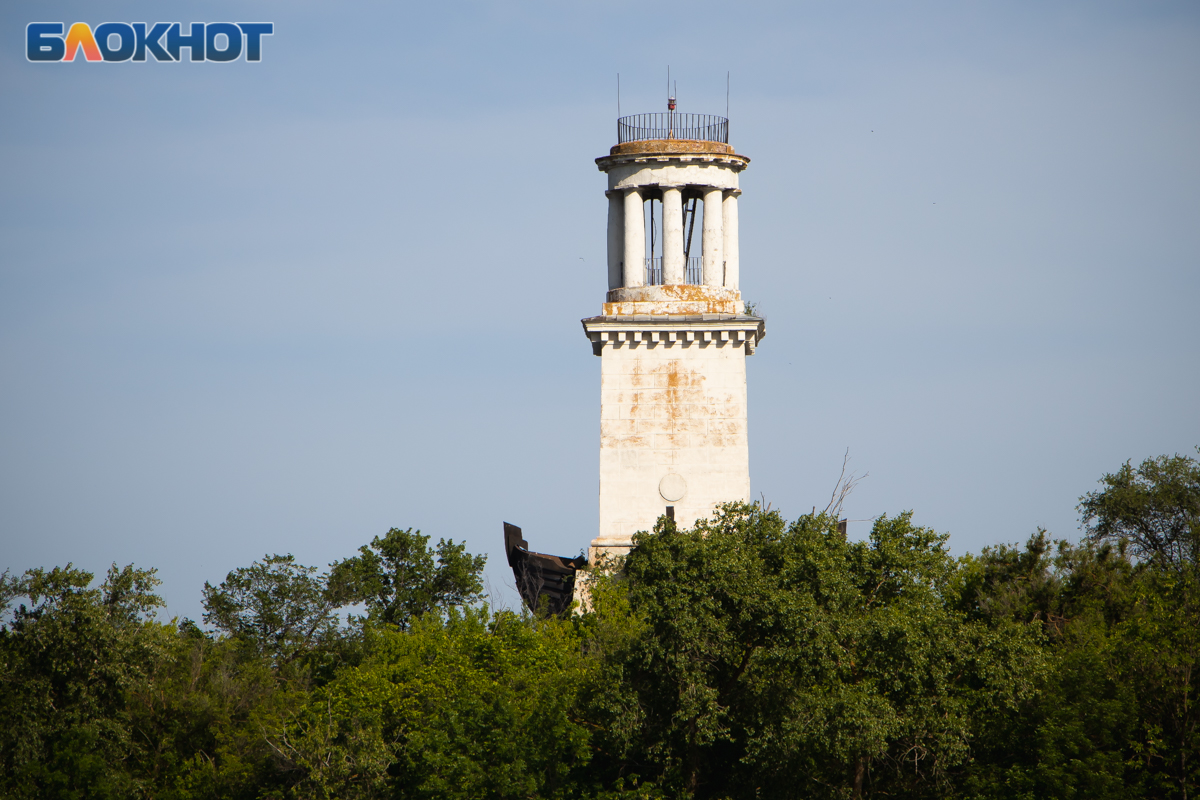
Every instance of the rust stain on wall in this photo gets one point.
(672, 299)
(684, 387)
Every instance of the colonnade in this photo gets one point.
(627, 235)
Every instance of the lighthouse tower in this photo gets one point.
(673, 334)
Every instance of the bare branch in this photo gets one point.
(842, 489)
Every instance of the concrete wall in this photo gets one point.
(674, 173)
(670, 409)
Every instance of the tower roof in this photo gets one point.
(672, 133)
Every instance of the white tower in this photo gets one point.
(673, 338)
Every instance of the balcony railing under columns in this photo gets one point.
(693, 275)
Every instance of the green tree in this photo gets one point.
(781, 660)
(400, 577)
(68, 661)
(465, 704)
(1155, 507)
(1066, 739)
(207, 713)
(1115, 715)
(279, 607)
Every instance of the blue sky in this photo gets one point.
(281, 307)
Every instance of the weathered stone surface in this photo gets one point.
(671, 408)
(672, 299)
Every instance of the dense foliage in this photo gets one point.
(748, 657)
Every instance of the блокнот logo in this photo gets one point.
(131, 41)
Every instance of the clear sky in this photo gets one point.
(282, 307)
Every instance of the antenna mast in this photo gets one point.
(670, 106)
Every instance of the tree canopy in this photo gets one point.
(1154, 507)
(747, 657)
(399, 577)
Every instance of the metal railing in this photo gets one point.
(693, 271)
(673, 125)
(654, 268)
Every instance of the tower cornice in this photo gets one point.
(671, 330)
(683, 158)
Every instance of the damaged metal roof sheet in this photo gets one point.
(541, 578)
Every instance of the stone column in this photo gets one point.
(729, 224)
(616, 238)
(713, 237)
(635, 239)
(672, 235)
